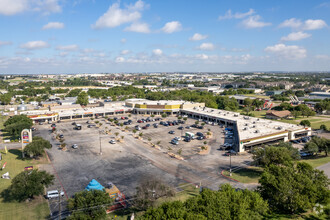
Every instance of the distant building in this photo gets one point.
(320, 94)
(271, 93)
(272, 114)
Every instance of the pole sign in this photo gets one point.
(26, 137)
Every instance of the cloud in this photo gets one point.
(294, 36)
(291, 23)
(120, 60)
(254, 22)
(53, 25)
(33, 45)
(314, 24)
(197, 37)
(13, 7)
(72, 47)
(4, 43)
(157, 52)
(309, 24)
(288, 52)
(202, 56)
(124, 52)
(237, 15)
(171, 27)
(123, 40)
(116, 16)
(206, 46)
(138, 27)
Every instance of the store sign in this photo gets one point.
(26, 135)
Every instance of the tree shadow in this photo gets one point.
(7, 196)
(18, 153)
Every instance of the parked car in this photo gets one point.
(112, 141)
(175, 142)
(180, 128)
(200, 137)
(75, 146)
(178, 138)
(199, 134)
(61, 136)
(231, 152)
(171, 132)
(187, 139)
(52, 194)
(188, 127)
(73, 123)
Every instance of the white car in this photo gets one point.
(178, 138)
(75, 146)
(53, 194)
(112, 142)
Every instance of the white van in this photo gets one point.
(53, 194)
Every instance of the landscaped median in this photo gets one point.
(35, 209)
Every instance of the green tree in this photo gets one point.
(28, 184)
(296, 114)
(17, 123)
(82, 98)
(226, 203)
(311, 147)
(89, 205)
(323, 127)
(248, 102)
(36, 148)
(305, 123)
(295, 188)
(5, 98)
(278, 155)
(323, 144)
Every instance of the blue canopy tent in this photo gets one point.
(94, 185)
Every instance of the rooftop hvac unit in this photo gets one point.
(279, 128)
(253, 122)
(258, 119)
(245, 128)
(246, 124)
(246, 117)
(235, 115)
(253, 126)
(256, 131)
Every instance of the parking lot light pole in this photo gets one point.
(100, 142)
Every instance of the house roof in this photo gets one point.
(279, 114)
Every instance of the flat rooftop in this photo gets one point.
(160, 102)
(248, 127)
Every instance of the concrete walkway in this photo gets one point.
(325, 168)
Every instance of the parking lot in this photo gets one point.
(130, 160)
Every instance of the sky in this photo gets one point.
(109, 36)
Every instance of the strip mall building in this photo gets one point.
(248, 131)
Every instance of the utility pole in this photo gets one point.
(59, 204)
(230, 164)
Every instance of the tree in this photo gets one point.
(323, 127)
(196, 122)
(140, 134)
(36, 148)
(16, 124)
(258, 103)
(82, 98)
(296, 114)
(5, 98)
(295, 188)
(311, 147)
(164, 115)
(278, 155)
(149, 190)
(226, 203)
(247, 102)
(305, 123)
(28, 184)
(185, 118)
(323, 144)
(116, 133)
(89, 205)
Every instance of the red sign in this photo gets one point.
(28, 168)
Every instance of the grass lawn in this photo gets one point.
(246, 175)
(317, 161)
(36, 209)
(258, 96)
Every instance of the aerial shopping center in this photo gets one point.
(248, 131)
